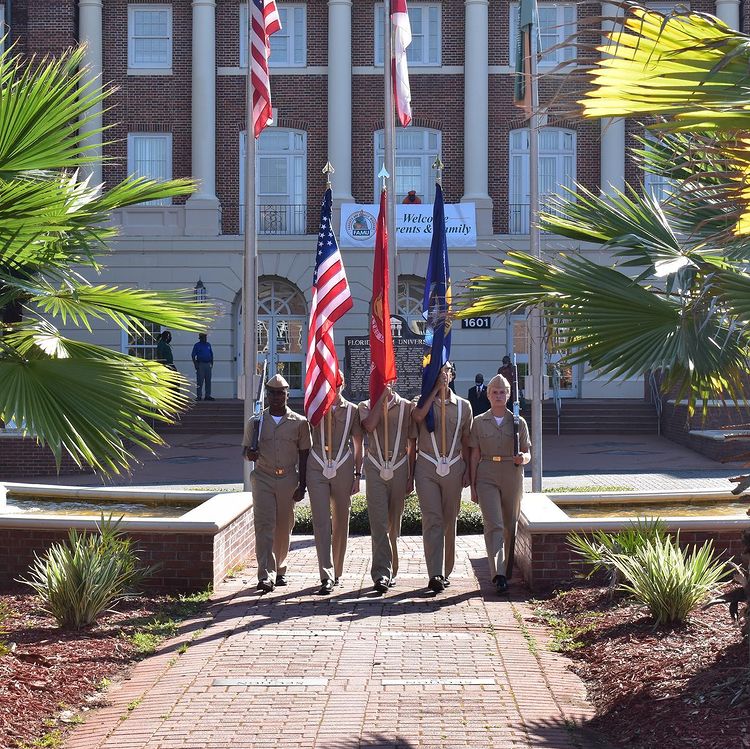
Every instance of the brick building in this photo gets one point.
(179, 110)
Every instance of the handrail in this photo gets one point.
(556, 393)
(656, 397)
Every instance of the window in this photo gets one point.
(150, 36)
(410, 300)
(557, 22)
(557, 171)
(658, 186)
(288, 46)
(425, 34)
(280, 181)
(416, 149)
(666, 8)
(141, 343)
(150, 155)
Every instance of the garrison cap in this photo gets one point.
(277, 382)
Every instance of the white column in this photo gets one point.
(729, 12)
(612, 144)
(340, 98)
(202, 209)
(90, 34)
(476, 113)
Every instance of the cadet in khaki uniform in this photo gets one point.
(441, 474)
(333, 475)
(277, 481)
(390, 477)
(497, 475)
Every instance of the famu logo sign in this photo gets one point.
(361, 226)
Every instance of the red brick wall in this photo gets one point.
(187, 561)
(22, 459)
(546, 561)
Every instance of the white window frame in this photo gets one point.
(431, 49)
(4, 28)
(565, 25)
(657, 186)
(293, 25)
(139, 343)
(132, 166)
(666, 8)
(518, 174)
(426, 155)
(133, 62)
(278, 220)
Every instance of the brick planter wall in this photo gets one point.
(22, 458)
(546, 562)
(188, 561)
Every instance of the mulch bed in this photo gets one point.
(665, 688)
(50, 674)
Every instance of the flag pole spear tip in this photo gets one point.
(438, 166)
(383, 174)
(328, 170)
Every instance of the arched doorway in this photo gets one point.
(282, 332)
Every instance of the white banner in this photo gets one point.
(413, 225)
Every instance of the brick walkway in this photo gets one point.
(464, 669)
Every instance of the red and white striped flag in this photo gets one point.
(331, 298)
(401, 40)
(264, 21)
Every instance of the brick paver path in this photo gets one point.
(463, 669)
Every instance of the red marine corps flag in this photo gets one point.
(401, 40)
(382, 357)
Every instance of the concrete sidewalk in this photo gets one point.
(606, 460)
(298, 671)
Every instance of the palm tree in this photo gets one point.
(677, 296)
(91, 401)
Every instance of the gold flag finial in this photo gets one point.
(383, 174)
(328, 170)
(438, 166)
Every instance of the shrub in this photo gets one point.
(469, 518)
(599, 548)
(80, 579)
(669, 580)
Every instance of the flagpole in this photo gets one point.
(389, 150)
(250, 269)
(536, 321)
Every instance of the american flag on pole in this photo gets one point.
(264, 21)
(401, 40)
(331, 298)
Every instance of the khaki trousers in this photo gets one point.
(439, 500)
(330, 502)
(273, 519)
(499, 488)
(385, 508)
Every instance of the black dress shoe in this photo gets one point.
(446, 582)
(326, 587)
(436, 584)
(381, 585)
(392, 582)
(501, 584)
(209, 398)
(281, 580)
(265, 585)
(337, 581)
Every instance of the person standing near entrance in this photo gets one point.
(389, 470)
(203, 360)
(333, 476)
(164, 349)
(478, 396)
(496, 475)
(278, 479)
(441, 473)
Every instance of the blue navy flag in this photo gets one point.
(436, 306)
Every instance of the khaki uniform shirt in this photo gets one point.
(424, 436)
(395, 452)
(279, 444)
(497, 441)
(337, 431)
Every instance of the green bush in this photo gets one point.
(600, 548)
(469, 518)
(669, 580)
(80, 579)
